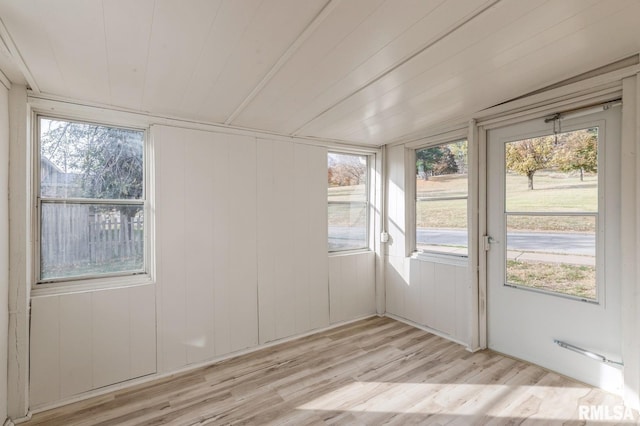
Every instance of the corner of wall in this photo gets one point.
(19, 254)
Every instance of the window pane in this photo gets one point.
(347, 226)
(347, 202)
(90, 239)
(553, 174)
(441, 198)
(553, 253)
(442, 225)
(81, 160)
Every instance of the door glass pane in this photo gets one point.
(91, 239)
(553, 253)
(551, 205)
(553, 174)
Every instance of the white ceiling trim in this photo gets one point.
(8, 42)
(107, 114)
(315, 23)
(410, 56)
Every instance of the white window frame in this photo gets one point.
(457, 259)
(370, 162)
(121, 120)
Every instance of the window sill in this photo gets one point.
(439, 257)
(348, 252)
(94, 284)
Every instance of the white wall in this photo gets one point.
(84, 341)
(241, 260)
(433, 293)
(206, 240)
(4, 246)
(352, 286)
(242, 243)
(292, 239)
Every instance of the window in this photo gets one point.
(91, 199)
(441, 198)
(348, 202)
(551, 211)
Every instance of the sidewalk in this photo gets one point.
(572, 259)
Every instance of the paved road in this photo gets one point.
(560, 242)
(555, 242)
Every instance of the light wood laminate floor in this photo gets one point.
(372, 372)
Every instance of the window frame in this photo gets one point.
(89, 281)
(459, 259)
(367, 203)
(599, 215)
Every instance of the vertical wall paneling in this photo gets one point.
(316, 260)
(267, 220)
(221, 216)
(199, 240)
(4, 246)
(242, 266)
(207, 208)
(352, 286)
(276, 275)
(44, 359)
(110, 336)
(84, 341)
(462, 314)
(292, 239)
(170, 219)
(142, 330)
(432, 293)
(76, 349)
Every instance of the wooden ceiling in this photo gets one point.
(361, 71)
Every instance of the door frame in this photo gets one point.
(541, 314)
(625, 84)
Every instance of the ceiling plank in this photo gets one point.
(127, 31)
(22, 21)
(550, 55)
(310, 29)
(178, 35)
(277, 23)
(75, 31)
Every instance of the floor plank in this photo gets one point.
(375, 371)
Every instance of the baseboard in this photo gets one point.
(427, 329)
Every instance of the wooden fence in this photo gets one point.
(85, 236)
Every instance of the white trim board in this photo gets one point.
(122, 116)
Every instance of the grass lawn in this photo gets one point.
(573, 280)
(558, 192)
(347, 206)
(554, 192)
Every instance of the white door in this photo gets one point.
(553, 285)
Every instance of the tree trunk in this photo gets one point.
(530, 179)
(581, 175)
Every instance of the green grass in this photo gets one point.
(554, 192)
(573, 280)
(559, 192)
(347, 193)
